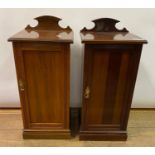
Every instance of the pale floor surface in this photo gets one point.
(141, 132)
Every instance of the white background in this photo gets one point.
(138, 21)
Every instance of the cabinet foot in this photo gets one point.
(39, 134)
(103, 136)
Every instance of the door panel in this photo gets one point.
(45, 85)
(107, 82)
(44, 80)
(97, 87)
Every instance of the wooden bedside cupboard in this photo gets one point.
(111, 59)
(42, 58)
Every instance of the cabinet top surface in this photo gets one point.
(105, 31)
(43, 35)
(48, 29)
(110, 37)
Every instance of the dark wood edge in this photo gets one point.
(104, 25)
(140, 109)
(10, 108)
(126, 42)
(39, 41)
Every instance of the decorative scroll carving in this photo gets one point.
(104, 25)
(47, 23)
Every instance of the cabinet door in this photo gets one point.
(109, 75)
(42, 71)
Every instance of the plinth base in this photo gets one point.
(46, 134)
(103, 136)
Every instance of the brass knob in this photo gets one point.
(87, 93)
(21, 85)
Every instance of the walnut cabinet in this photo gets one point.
(42, 58)
(111, 59)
